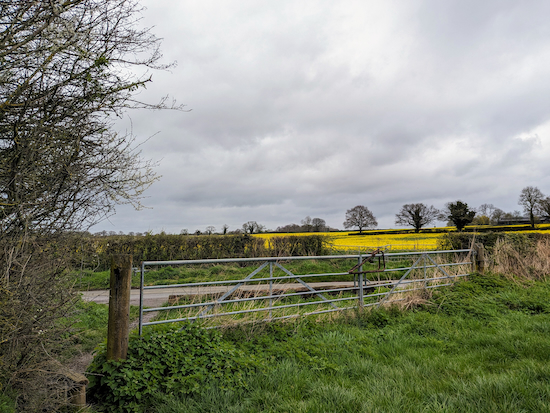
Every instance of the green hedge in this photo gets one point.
(93, 252)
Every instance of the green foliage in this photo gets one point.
(7, 404)
(460, 214)
(166, 362)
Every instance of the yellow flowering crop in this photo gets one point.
(341, 240)
(412, 241)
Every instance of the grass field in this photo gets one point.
(480, 346)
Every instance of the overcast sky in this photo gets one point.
(313, 107)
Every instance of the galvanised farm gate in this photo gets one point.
(274, 288)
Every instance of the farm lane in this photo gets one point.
(157, 297)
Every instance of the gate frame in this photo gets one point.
(424, 257)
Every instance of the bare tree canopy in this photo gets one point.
(460, 214)
(416, 215)
(318, 224)
(544, 207)
(361, 217)
(65, 71)
(251, 227)
(531, 198)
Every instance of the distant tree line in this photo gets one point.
(536, 207)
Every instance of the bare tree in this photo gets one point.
(65, 72)
(486, 209)
(530, 198)
(210, 230)
(225, 227)
(416, 215)
(544, 207)
(251, 227)
(290, 228)
(361, 217)
(496, 216)
(318, 224)
(306, 224)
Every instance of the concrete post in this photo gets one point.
(119, 307)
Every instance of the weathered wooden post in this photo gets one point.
(119, 307)
(479, 257)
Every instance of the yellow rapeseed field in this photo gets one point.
(352, 241)
(342, 240)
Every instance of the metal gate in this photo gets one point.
(277, 288)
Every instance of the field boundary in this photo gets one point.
(271, 291)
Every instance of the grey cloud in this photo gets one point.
(310, 108)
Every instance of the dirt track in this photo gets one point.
(154, 298)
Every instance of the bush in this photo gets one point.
(94, 251)
(166, 362)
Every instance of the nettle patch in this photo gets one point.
(166, 362)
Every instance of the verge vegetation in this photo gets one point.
(478, 346)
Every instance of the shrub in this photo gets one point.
(166, 362)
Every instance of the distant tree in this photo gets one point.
(496, 216)
(290, 228)
(530, 198)
(545, 207)
(459, 214)
(210, 230)
(318, 225)
(361, 217)
(306, 224)
(485, 209)
(198, 232)
(184, 231)
(484, 215)
(481, 220)
(514, 215)
(225, 227)
(416, 215)
(251, 227)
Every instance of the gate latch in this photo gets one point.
(370, 259)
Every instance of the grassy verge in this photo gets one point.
(89, 327)
(480, 346)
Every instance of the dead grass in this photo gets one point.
(515, 261)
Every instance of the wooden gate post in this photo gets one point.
(479, 257)
(119, 307)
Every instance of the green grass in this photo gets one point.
(481, 346)
(89, 327)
